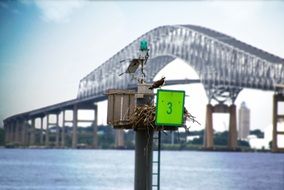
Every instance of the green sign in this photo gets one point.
(170, 107)
(143, 45)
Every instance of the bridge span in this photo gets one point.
(224, 64)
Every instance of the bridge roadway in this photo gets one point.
(84, 103)
(19, 123)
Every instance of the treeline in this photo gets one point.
(169, 139)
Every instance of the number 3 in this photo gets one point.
(170, 107)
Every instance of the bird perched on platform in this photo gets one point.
(158, 83)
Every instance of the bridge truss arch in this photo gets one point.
(225, 65)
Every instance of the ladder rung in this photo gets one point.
(156, 159)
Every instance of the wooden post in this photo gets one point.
(143, 148)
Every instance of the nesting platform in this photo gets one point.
(124, 113)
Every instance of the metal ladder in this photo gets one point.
(156, 160)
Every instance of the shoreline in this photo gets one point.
(197, 149)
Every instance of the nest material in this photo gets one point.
(144, 116)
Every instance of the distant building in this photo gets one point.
(244, 122)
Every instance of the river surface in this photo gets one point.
(28, 169)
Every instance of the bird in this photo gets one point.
(158, 83)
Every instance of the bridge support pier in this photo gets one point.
(27, 132)
(20, 132)
(63, 130)
(17, 129)
(23, 133)
(95, 128)
(21, 138)
(275, 118)
(9, 131)
(41, 131)
(12, 133)
(47, 131)
(57, 131)
(9, 128)
(32, 133)
(74, 131)
(232, 141)
(208, 132)
(5, 133)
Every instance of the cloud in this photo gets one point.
(58, 11)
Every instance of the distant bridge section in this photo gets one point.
(224, 65)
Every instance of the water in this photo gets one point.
(114, 169)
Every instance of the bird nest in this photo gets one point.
(144, 117)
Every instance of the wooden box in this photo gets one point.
(121, 105)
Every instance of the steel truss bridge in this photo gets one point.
(224, 65)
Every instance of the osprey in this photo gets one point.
(158, 83)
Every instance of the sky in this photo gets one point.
(46, 47)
